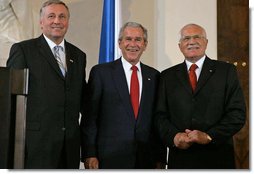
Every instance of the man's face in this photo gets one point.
(54, 22)
(132, 44)
(193, 43)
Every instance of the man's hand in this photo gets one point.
(91, 163)
(182, 141)
(199, 137)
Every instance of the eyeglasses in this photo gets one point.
(195, 37)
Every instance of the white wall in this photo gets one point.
(85, 27)
(162, 18)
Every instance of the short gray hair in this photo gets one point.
(195, 25)
(135, 25)
(50, 2)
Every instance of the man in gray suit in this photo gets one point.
(197, 117)
(56, 91)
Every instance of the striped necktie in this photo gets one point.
(58, 59)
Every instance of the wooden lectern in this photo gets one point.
(13, 94)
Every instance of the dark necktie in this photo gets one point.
(58, 59)
(134, 91)
(193, 76)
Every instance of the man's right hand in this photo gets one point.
(182, 141)
(91, 163)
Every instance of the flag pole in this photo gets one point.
(118, 24)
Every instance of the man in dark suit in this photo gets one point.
(116, 136)
(197, 124)
(55, 91)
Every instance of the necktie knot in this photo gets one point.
(57, 48)
(134, 68)
(193, 67)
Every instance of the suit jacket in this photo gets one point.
(53, 103)
(111, 132)
(216, 107)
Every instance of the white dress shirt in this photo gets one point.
(199, 63)
(61, 51)
(127, 70)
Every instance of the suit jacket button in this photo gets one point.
(63, 129)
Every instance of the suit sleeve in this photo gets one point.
(89, 122)
(84, 98)
(16, 57)
(234, 115)
(165, 128)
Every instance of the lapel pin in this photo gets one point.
(71, 60)
(211, 70)
(148, 79)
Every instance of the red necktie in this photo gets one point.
(134, 90)
(193, 76)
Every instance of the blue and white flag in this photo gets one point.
(111, 17)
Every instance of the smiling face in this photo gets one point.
(193, 42)
(132, 44)
(54, 22)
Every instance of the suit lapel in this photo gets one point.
(207, 70)
(182, 75)
(46, 52)
(119, 79)
(145, 90)
(69, 61)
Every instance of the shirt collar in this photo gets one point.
(52, 44)
(199, 63)
(127, 65)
